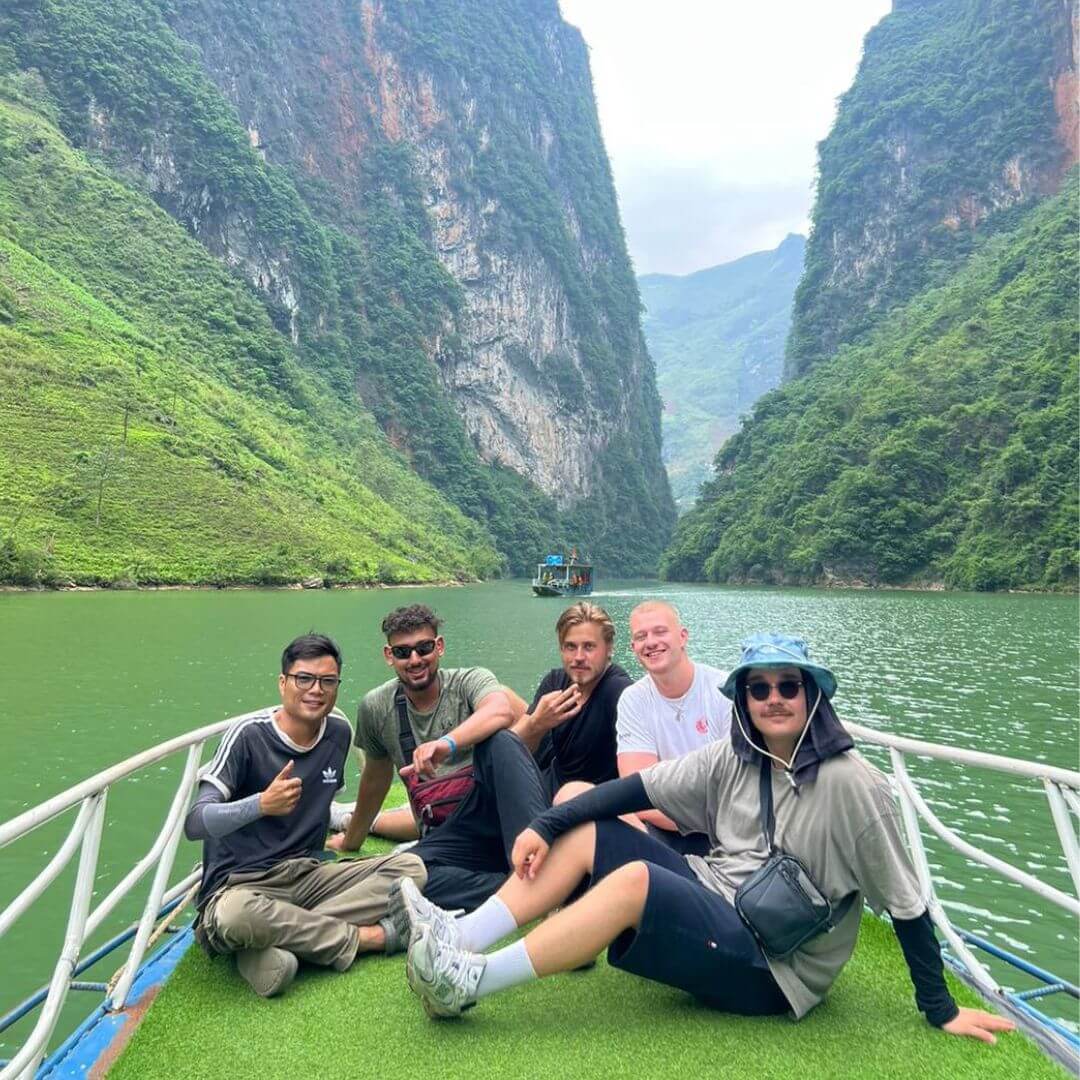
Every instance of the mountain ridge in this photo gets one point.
(533, 408)
(961, 114)
(141, 445)
(926, 431)
(717, 339)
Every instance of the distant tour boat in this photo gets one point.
(563, 575)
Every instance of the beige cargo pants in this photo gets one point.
(306, 906)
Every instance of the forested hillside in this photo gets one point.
(717, 338)
(416, 200)
(943, 449)
(962, 113)
(154, 425)
(928, 431)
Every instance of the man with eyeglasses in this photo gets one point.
(456, 717)
(262, 810)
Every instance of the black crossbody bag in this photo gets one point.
(780, 903)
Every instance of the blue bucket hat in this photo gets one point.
(778, 651)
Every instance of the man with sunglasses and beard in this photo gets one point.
(261, 811)
(456, 717)
(786, 786)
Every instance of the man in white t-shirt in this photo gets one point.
(675, 707)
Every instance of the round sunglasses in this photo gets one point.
(788, 688)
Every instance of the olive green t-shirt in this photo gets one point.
(842, 826)
(460, 691)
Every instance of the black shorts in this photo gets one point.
(689, 936)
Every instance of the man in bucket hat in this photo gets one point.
(672, 918)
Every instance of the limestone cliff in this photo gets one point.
(950, 124)
(419, 190)
(316, 88)
(927, 431)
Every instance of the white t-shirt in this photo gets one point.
(649, 723)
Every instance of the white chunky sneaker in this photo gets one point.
(408, 910)
(340, 816)
(267, 971)
(444, 977)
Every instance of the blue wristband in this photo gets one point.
(453, 746)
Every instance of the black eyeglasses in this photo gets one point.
(305, 681)
(789, 688)
(421, 648)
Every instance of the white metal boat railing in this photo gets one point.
(1062, 788)
(85, 837)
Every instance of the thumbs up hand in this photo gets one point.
(282, 795)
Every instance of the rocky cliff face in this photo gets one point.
(419, 192)
(931, 145)
(320, 89)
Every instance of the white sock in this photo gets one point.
(489, 923)
(508, 967)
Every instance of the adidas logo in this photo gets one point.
(329, 776)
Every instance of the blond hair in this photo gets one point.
(585, 612)
(663, 605)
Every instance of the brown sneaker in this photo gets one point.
(267, 971)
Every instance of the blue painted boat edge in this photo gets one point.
(1057, 1043)
(94, 1037)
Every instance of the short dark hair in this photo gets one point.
(309, 647)
(407, 620)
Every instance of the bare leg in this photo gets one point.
(571, 791)
(371, 938)
(568, 861)
(576, 934)
(397, 825)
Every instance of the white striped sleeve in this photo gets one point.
(230, 760)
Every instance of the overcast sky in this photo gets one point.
(711, 112)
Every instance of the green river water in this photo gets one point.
(91, 678)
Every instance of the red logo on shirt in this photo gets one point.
(702, 726)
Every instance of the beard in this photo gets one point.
(410, 682)
(587, 678)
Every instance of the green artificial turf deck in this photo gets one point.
(600, 1023)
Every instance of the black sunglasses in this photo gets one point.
(789, 688)
(421, 648)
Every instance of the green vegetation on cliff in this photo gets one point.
(717, 337)
(949, 123)
(943, 448)
(354, 282)
(155, 427)
(506, 49)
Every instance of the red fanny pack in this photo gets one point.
(432, 800)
